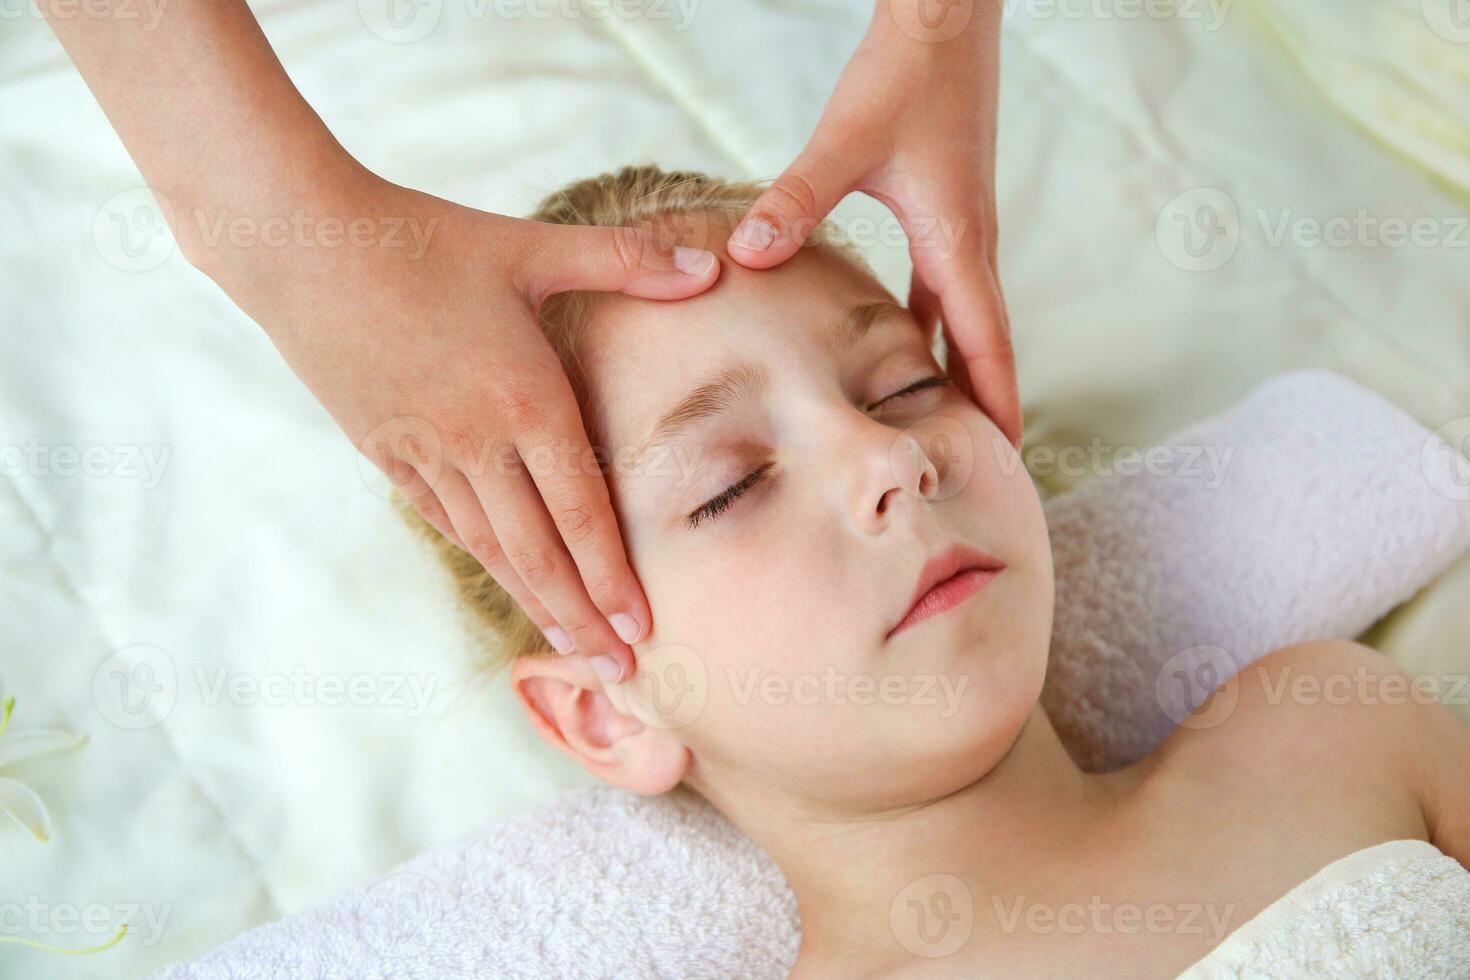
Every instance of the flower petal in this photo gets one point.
(23, 745)
(22, 803)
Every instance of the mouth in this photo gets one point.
(947, 580)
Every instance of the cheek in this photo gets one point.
(999, 493)
(771, 625)
(767, 597)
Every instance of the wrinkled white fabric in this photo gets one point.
(231, 536)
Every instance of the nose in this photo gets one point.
(892, 469)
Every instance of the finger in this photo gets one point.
(627, 260)
(417, 491)
(478, 538)
(533, 543)
(785, 215)
(923, 304)
(574, 489)
(976, 324)
(405, 473)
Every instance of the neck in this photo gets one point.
(1026, 814)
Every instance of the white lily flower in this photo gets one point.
(16, 798)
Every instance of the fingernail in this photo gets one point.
(693, 261)
(607, 668)
(629, 630)
(559, 640)
(755, 234)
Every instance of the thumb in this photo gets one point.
(783, 218)
(618, 259)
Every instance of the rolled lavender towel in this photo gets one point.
(1307, 511)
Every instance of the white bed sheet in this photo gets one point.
(262, 552)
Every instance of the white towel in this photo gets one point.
(1327, 507)
(1397, 909)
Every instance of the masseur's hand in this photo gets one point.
(912, 123)
(413, 320)
(427, 352)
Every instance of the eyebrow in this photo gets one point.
(856, 321)
(733, 384)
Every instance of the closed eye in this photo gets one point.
(721, 502)
(938, 381)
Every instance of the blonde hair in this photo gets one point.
(637, 196)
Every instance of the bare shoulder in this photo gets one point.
(1303, 724)
(1344, 727)
(1346, 691)
(1326, 703)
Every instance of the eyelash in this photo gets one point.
(722, 501)
(938, 381)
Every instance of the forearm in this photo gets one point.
(204, 108)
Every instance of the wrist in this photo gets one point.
(234, 226)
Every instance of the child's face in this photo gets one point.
(770, 657)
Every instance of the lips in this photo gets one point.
(947, 580)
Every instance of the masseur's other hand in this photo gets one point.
(912, 123)
(421, 339)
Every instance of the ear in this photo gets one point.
(571, 709)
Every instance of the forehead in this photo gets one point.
(638, 355)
